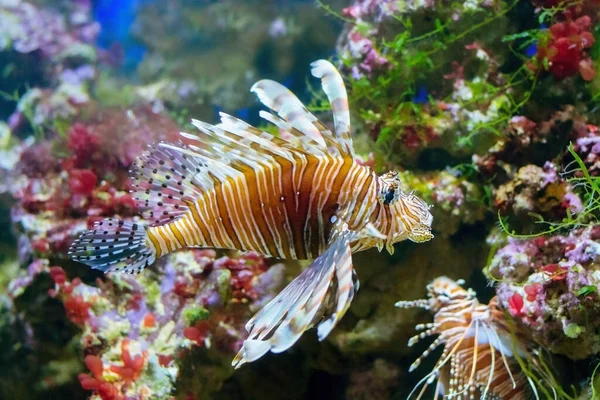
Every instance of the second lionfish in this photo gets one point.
(483, 356)
(300, 195)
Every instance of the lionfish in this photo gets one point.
(482, 357)
(298, 195)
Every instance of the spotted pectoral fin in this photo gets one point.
(303, 302)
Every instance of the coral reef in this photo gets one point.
(130, 329)
(61, 194)
(487, 108)
(40, 46)
(485, 128)
(407, 94)
(550, 285)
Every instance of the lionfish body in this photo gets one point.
(480, 353)
(298, 196)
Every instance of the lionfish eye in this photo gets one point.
(390, 188)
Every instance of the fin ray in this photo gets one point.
(114, 245)
(164, 181)
(335, 90)
(293, 311)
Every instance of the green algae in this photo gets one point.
(193, 314)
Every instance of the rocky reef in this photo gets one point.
(487, 108)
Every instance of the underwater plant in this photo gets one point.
(482, 357)
(237, 187)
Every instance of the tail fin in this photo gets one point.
(114, 245)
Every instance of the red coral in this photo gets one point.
(104, 389)
(82, 181)
(164, 360)
(76, 307)
(565, 49)
(83, 143)
(515, 305)
(78, 310)
(555, 272)
(198, 333)
(185, 287)
(244, 272)
(132, 366)
(149, 320)
(415, 137)
(58, 275)
(532, 291)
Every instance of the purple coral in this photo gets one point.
(556, 282)
(32, 29)
(359, 47)
(587, 146)
(537, 189)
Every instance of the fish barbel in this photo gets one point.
(300, 195)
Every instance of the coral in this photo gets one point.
(410, 98)
(27, 28)
(533, 176)
(136, 332)
(41, 47)
(539, 190)
(61, 194)
(550, 285)
(529, 142)
(587, 146)
(565, 49)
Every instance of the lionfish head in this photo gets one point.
(413, 218)
(443, 291)
(421, 230)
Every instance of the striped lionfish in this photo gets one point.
(300, 195)
(480, 359)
